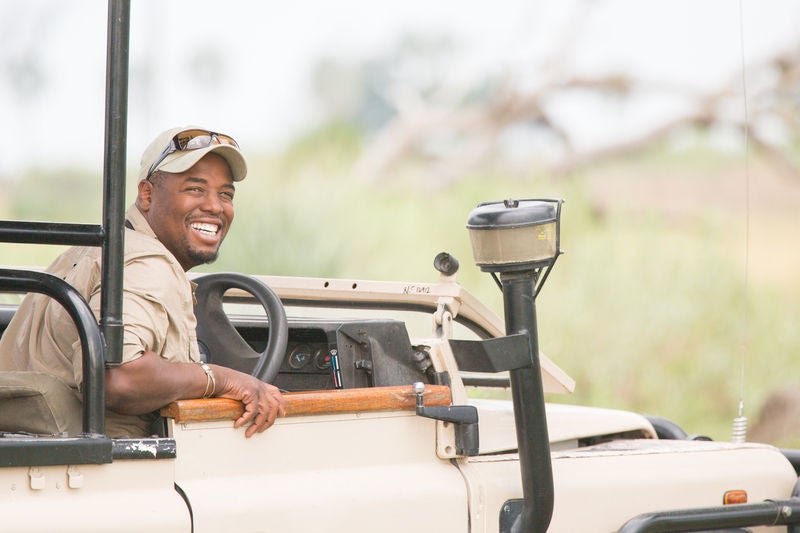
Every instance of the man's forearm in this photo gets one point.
(149, 383)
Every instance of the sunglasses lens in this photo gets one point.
(201, 141)
(225, 139)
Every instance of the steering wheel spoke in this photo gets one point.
(224, 344)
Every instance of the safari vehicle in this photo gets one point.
(380, 433)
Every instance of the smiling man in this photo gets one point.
(182, 212)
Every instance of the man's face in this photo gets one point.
(190, 212)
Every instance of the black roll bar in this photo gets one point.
(51, 233)
(88, 332)
(116, 124)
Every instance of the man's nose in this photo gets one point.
(212, 203)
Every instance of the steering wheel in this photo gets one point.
(215, 331)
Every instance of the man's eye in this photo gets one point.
(228, 196)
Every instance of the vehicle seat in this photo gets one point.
(38, 403)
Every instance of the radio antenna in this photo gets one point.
(739, 432)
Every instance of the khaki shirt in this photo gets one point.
(157, 313)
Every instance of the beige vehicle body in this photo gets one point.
(376, 466)
(384, 430)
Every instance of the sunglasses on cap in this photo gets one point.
(191, 140)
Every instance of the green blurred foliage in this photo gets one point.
(647, 310)
(70, 195)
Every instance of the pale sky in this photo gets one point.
(269, 48)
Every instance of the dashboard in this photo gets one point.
(334, 354)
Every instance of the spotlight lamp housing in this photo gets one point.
(516, 235)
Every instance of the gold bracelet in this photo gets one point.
(210, 381)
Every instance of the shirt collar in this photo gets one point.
(139, 223)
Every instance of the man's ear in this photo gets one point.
(144, 195)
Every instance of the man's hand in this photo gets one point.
(263, 402)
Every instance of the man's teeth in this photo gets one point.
(208, 229)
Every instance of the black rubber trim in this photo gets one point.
(48, 451)
(151, 448)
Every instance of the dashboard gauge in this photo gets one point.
(322, 359)
(300, 356)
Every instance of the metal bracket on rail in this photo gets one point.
(464, 417)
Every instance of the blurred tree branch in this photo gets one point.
(451, 131)
(772, 107)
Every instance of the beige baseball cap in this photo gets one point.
(182, 160)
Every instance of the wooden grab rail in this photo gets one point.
(313, 403)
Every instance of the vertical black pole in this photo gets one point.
(116, 123)
(529, 412)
